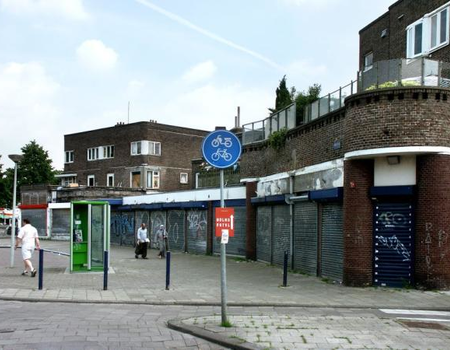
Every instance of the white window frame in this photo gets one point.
(153, 179)
(91, 177)
(109, 176)
(366, 65)
(69, 157)
(66, 181)
(108, 152)
(154, 148)
(427, 29)
(93, 154)
(184, 178)
(136, 148)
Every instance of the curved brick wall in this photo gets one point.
(397, 117)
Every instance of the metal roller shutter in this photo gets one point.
(237, 244)
(393, 244)
(197, 231)
(264, 234)
(332, 250)
(305, 237)
(157, 219)
(175, 229)
(122, 228)
(61, 223)
(142, 216)
(38, 218)
(281, 233)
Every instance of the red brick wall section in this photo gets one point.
(397, 117)
(358, 219)
(432, 260)
(250, 191)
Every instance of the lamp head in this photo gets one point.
(16, 158)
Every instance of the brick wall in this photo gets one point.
(178, 147)
(397, 117)
(306, 145)
(432, 262)
(400, 15)
(358, 222)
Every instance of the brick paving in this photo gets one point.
(255, 286)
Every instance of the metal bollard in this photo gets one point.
(285, 265)
(41, 269)
(168, 271)
(105, 270)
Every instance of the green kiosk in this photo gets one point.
(90, 226)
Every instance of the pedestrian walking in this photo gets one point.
(142, 242)
(29, 240)
(161, 239)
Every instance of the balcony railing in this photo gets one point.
(405, 72)
(383, 74)
(262, 129)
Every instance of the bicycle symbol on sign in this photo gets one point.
(221, 153)
(219, 141)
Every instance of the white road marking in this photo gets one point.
(415, 312)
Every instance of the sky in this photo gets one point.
(68, 66)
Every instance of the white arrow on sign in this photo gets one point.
(232, 222)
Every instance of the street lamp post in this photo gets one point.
(16, 158)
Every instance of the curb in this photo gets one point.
(217, 304)
(232, 343)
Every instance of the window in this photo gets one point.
(136, 148)
(108, 152)
(154, 148)
(110, 180)
(146, 147)
(91, 180)
(66, 181)
(368, 61)
(69, 157)
(136, 179)
(152, 179)
(183, 178)
(93, 153)
(428, 33)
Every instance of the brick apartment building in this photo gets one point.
(360, 191)
(147, 155)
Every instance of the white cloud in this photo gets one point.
(210, 106)
(71, 9)
(305, 71)
(200, 72)
(28, 98)
(96, 56)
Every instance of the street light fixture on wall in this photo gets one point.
(16, 158)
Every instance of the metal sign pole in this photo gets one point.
(223, 260)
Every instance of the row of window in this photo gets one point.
(153, 180)
(429, 33)
(151, 148)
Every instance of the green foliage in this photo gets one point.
(284, 97)
(390, 84)
(226, 324)
(5, 187)
(36, 166)
(305, 98)
(277, 139)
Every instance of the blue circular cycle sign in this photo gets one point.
(221, 149)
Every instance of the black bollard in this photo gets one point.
(41, 269)
(285, 266)
(105, 270)
(168, 271)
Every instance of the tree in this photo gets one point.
(284, 97)
(305, 98)
(5, 192)
(35, 166)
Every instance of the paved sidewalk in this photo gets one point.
(195, 280)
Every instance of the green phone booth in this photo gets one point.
(90, 226)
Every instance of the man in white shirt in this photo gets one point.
(28, 237)
(142, 242)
